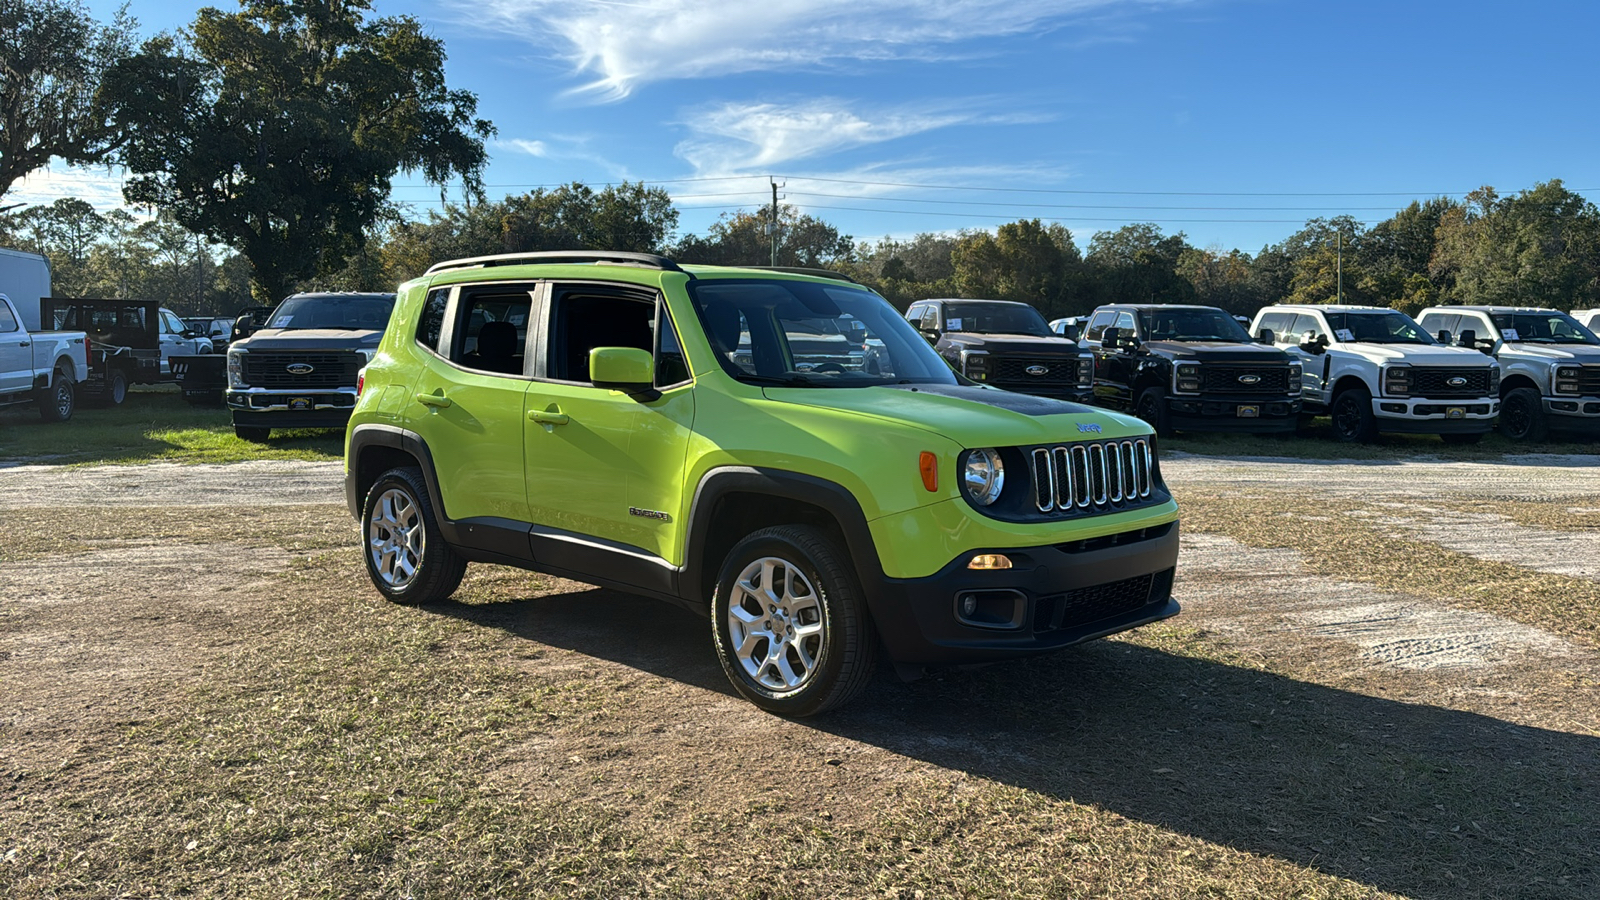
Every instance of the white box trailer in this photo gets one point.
(25, 278)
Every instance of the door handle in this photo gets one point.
(24, 344)
(548, 418)
(437, 401)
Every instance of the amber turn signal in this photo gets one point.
(928, 465)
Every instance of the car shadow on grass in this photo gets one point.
(1409, 798)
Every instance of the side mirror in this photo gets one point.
(626, 369)
(1314, 343)
(1444, 336)
(1469, 339)
(1266, 336)
(1111, 338)
(186, 334)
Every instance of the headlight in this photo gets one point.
(236, 369)
(1397, 381)
(1567, 380)
(1086, 370)
(975, 364)
(983, 476)
(367, 354)
(1294, 378)
(1494, 379)
(1186, 378)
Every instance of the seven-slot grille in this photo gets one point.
(270, 369)
(1435, 382)
(1225, 379)
(1060, 369)
(1091, 477)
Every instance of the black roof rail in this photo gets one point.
(804, 270)
(614, 257)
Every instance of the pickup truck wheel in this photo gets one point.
(791, 624)
(116, 389)
(1152, 407)
(252, 433)
(407, 557)
(1522, 416)
(1353, 421)
(57, 402)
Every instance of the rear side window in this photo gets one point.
(1433, 323)
(491, 329)
(430, 325)
(8, 322)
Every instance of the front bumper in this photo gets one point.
(1574, 413)
(1053, 597)
(1404, 415)
(1205, 412)
(314, 408)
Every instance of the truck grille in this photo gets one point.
(1092, 478)
(1058, 369)
(1435, 382)
(1225, 379)
(270, 369)
(1589, 380)
(1085, 606)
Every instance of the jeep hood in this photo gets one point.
(1217, 351)
(311, 339)
(1416, 354)
(971, 416)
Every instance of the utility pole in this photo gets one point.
(773, 227)
(1338, 243)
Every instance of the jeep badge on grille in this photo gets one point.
(299, 368)
(1036, 370)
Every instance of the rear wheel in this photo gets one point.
(116, 389)
(1522, 416)
(1353, 421)
(790, 622)
(407, 557)
(57, 401)
(252, 433)
(1152, 407)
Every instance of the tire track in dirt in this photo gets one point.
(256, 483)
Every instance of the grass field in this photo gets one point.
(153, 425)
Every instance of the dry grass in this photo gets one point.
(535, 737)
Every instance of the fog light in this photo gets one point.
(969, 605)
(990, 561)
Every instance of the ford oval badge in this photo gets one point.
(1457, 381)
(1089, 428)
(1249, 379)
(300, 368)
(1036, 370)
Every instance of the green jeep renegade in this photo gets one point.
(780, 450)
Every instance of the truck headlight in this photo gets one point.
(983, 476)
(975, 364)
(1567, 380)
(1397, 381)
(236, 369)
(1294, 378)
(1186, 378)
(1494, 380)
(1086, 370)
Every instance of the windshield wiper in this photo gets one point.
(778, 380)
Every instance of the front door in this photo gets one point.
(601, 463)
(16, 354)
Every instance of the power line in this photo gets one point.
(1084, 206)
(918, 212)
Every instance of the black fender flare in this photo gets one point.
(394, 437)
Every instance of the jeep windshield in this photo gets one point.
(1191, 325)
(995, 318)
(1377, 328)
(352, 312)
(802, 334)
(1550, 327)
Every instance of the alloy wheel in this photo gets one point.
(776, 625)
(395, 538)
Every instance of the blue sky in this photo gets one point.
(1231, 120)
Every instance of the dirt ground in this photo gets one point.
(203, 697)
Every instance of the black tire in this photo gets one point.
(1522, 416)
(1461, 439)
(57, 401)
(252, 433)
(1152, 407)
(395, 510)
(1353, 421)
(843, 650)
(116, 389)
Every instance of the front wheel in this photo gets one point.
(407, 557)
(57, 401)
(1522, 416)
(790, 622)
(1152, 407)
(1353, 421)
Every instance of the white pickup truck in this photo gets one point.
(1375, 370)
(1549, 360)
(40, 366)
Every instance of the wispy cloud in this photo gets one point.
(742, 137)
(532, 148)
(625, 44)
(99, 187)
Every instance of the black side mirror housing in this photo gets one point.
(1469, 339)
(1111, 337)
(1266, 336)
(1444, 336)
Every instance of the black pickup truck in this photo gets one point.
(300, 370)
(1005, 344)
(1190, 368)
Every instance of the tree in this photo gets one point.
(1138, 264)
(1539, 247)
(741, 239)
(65, 231)
(277, 130)
(1024, 260)
(53, 58)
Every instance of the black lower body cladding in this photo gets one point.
(1236, 415)
(1053, 597)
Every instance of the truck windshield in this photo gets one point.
(995, 318)
(351, 312)
(803, 334)
(1377, 328)
(1191, 325)
(1546, 327)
